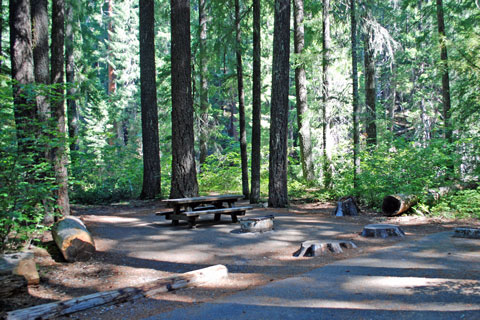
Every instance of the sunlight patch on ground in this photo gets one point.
(392, 285)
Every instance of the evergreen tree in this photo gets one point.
(241, 102)
(277, 185)
(150, 140)
(184, 177)
(58, 105)
(256, 106)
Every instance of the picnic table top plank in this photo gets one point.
(221, 210)
(205, 199)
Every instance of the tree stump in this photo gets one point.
(397, 204)
(21, 264)
(73, 239)
(313, 248)
(382, 231)
(259, 224)
(467, 232)
(346, 207)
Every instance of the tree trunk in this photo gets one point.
(22, 72)
(370, 90)
(241, 102)
(277, 185)
(327, 176)
(39, 9)
(184, 177)
(203, 89)
(1, 33)
(148, 96)
(444, 70)
(397, 204)
(72, 110)
(58, 106)
(301, 95)
(356, 138)
(111, 72)
(256, 106)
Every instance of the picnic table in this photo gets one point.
(189, 209)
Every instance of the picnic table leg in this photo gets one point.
(234, 217)
(192, 222)
(217, 217)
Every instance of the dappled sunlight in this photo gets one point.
(390, 285)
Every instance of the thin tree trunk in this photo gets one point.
(203, 89)
(391, 106)
(72, 111)
(22, 73)
(356, 138)
(444, 70)
(111, 72)
(301, 95)
(241, 102)
(58, 105)
(256, 106)
(327, 176)
(184, 177)
(148, 97)
(1, 33)
(370, 89)
(277, 185)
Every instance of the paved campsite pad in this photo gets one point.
(135, 246)
(437, 277)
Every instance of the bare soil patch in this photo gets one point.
(135, 246)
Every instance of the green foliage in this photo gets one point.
(463, 204)
(221, 173)
(116, 174)
(26, 179)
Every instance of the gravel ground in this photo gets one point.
(135, 246)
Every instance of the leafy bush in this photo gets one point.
(463, 204)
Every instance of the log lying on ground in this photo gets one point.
(433, 195)
(398, 203)
(21, 264)
(346, 206)
(73, 239)
(195, 278)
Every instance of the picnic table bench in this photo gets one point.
(189, 209)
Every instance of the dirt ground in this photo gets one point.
(135, 246)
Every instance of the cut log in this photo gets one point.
(313, 248)
(467, 232)
(382, 231)
(398, 203)
(346, 206)
(73, 239)
(257, 224)
(21, 264)
(190, 279)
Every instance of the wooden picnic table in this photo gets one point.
(189, 209)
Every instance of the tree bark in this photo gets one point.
(241, 101)
(303, 122)
(148, 97)
(203, 89)
(1, 33)
(58, 105)
(256, 106)
(72, 110)
(277, 185)
(448, 132)
(370, 89)
(327, 176)
(39, 11)
(22, 73)
(184, 177)
(356, 138)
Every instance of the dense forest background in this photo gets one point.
(382, 97)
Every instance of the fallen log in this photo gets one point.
(12, 284)
(55, 309)
(21, 264)
(73, 239)
(398, 203)
(433, 195)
